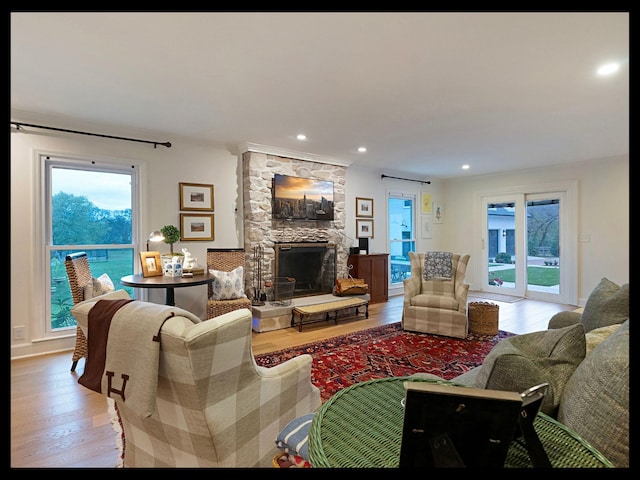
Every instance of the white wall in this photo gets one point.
(603, 212)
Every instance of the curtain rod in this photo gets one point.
(155, 144)
(407, 179)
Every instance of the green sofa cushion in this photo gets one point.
(522, 361)
(595, 401)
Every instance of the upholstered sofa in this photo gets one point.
(584, 356)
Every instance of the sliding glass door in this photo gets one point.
(524, 240)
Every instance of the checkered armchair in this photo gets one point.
(225, 260)
(437, 306)
(215, 407)
(79, 275)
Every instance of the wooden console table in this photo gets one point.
(327, 311)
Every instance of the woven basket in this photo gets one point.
(483, 318)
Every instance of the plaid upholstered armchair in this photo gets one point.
(435, 296)
(214, 406)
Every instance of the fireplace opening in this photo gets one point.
(311, 264)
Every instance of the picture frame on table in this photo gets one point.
(364, 228)
(364, 207)
(196, 226)
(151, 264)
(196, 197)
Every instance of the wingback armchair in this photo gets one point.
(437, 306)
(214, 406)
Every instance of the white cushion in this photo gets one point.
(80, 311)
(98, 286)
(228, 285)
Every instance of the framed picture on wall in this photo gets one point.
(426, 203)
(364, 228)
(196, 197)
(364, 207)
(196, 226)
(426, 226)
(438, 212)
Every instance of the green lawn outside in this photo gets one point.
(117, 264)
(542, 276)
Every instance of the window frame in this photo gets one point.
(46, 162)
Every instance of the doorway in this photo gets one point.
(528, 244)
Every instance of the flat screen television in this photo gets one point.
(297, 198)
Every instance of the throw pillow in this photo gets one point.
(438, 265)
(522, 361)
(228, 285)
(596, 336)
(595, 401)
(607, 304)
(294, 437)
(98, 286)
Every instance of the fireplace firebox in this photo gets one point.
(311, 264)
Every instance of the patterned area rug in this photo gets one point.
(384, 352)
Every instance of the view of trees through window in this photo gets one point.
(90, 210)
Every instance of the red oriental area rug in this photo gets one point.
(386, 351)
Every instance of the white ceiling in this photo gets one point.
(425, 92)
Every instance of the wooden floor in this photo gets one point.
(56, 423)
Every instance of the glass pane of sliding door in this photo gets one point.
(501, 246)
(543, 243)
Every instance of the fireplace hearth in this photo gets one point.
(311, 264)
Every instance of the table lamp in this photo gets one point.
(155, 236)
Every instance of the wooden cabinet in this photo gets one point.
(373, 268)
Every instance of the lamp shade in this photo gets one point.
(155, 236)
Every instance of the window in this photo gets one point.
(401, 208)
(89, 207)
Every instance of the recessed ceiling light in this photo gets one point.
(301, 136)
(465, 167)
(362, 149)
(608, 69)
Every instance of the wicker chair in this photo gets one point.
(79, 275)
(224, 259)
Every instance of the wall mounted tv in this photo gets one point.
(296, 198)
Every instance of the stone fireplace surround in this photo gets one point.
(261, 230)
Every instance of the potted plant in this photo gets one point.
(171, 235)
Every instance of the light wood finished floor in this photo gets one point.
(56, 423)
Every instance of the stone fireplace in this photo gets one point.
(311, 264)
(271, 234)
(262, 230)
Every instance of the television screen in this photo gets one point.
(296, 198)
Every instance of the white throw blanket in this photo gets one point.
(124, 350)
